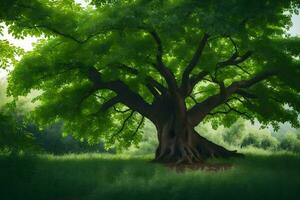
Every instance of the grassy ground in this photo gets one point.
(94, 176)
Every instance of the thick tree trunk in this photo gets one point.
(182, 144)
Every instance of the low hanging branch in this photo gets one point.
(138, 127)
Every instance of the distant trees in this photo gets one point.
(18, 134)
(51, 140)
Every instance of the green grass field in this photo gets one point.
(100, 176)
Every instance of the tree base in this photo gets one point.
(191, 149)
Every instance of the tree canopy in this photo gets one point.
(106, 67)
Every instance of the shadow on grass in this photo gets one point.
(115, 177)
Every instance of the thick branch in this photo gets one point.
(110, 103)
(246, 94)
(160, 66)
(151, 84)
(235, 59)
(126, 96)
(193, 63)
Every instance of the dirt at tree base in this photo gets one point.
(199, 166)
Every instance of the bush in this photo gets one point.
(260, 139)
(290, 143)
(14, 137)
(235, 134)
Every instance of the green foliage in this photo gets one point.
(14, 137)
(8, 54)
(117, 32)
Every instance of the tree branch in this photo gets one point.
(246, 94)
(126, 96)
(235, 59)
(160, 66)
(237, 111)
(110, 103)
(192, 64)
(123, 125)
(151, 84)
(157, 85)
(230, 110)
(199, 111)
(138, 127)
(121, 111)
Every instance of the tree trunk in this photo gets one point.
(182, 144)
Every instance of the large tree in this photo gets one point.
(106, 67)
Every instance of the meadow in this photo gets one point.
(260, 175)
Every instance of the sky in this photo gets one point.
(28, 42)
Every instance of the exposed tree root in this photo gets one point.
(188, 149)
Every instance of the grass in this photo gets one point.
(101, 176)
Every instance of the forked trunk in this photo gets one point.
(182, 144)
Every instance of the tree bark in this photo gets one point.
(183, 145)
